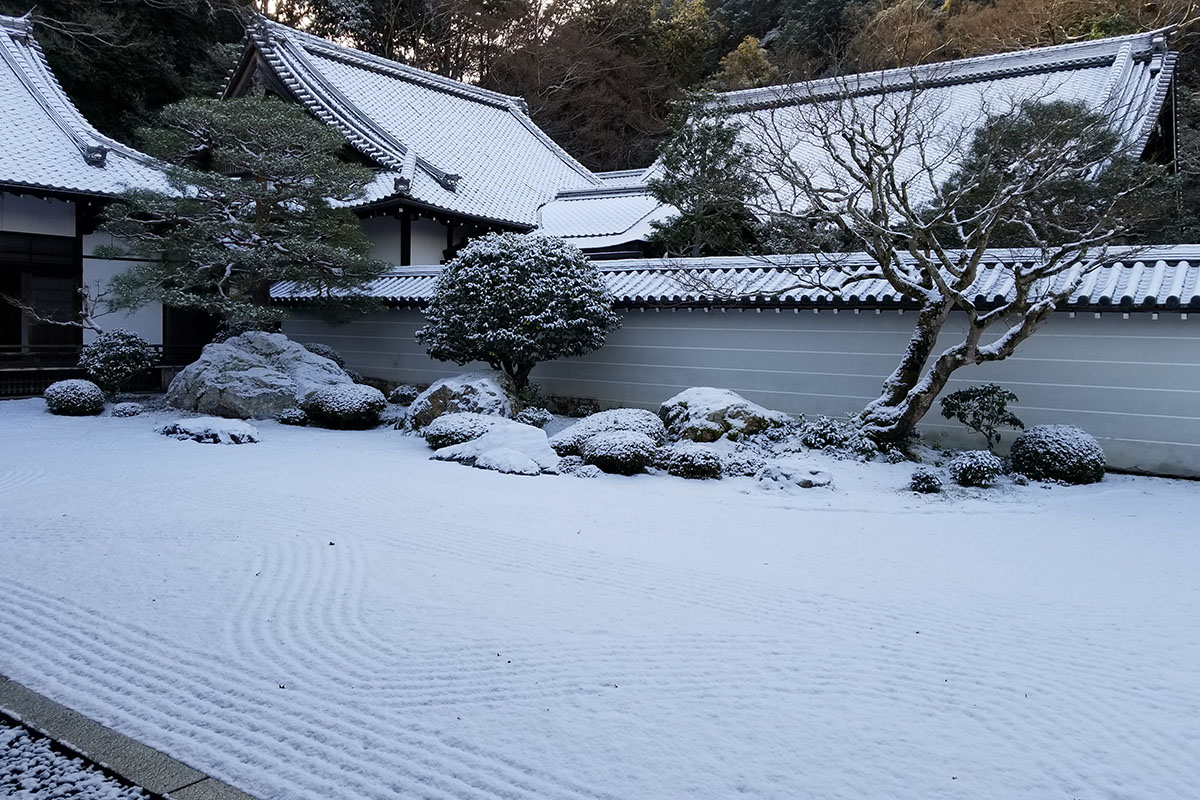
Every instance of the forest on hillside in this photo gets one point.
(599, 75)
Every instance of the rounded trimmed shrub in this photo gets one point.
(458, 427)
(347, 406)
(689, 461)
(975, 468)
(127, 409)
(925, 480)
(570, 441)
(403, 395)
(537, 417)
(1058, 453)
(74, 398)
(116, 357)
(325, 351)
(620, 452)
(743, 464)
(292, 416)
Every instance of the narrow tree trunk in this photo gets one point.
(882, 416)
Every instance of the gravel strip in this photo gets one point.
(31, 769)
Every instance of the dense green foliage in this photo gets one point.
(982, 409)
(252, 182)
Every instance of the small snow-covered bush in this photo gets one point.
(685, 460)
(325, 351)
(116, 357)
(292, 416)
(537, 417)
(403, 395)
(1058, 453)
(74, 398)
(573, 465)
(975, 468)
(925, 480)
(127, 409)
(838, 437)
(211, 430)
(458, 427)
(348, 406)
(623, 452)
(570, 440)
(742, 464)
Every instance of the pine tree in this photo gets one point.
(259, 193)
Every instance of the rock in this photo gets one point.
(255, 375)
(211, 430)
(788, 474)
(513, 448)
(478, 392)
(458, 427)
(705, 414)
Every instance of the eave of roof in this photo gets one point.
(1133, 279)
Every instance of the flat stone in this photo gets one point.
(209, 789)
(784, 474)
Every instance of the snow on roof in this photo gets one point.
(1128, 77)
(439, 142)
(45, 143)
(1135, 279)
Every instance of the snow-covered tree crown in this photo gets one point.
(513, 300)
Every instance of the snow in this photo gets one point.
(508, 447)
(31, 769)
(211, 430)
(704, 413)
(471, 634)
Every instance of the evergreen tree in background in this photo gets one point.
(252, 181)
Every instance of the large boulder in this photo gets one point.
(255, 375)
(476, 392)
(705, 414)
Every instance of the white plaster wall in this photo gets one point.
(1134, 383)
(146, 322)
(428, 241)
(386, 240)
(25, 214)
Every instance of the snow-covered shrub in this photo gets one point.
(292, 416)
(211, 430)
(925, 480)
(573, 465)
(325, 351)
(537, 417)
(569, 441)
(514, 300)
(348, 406)
(623, 452)
(982, 409)
(458, 427)
(838, 437)
(508, 447)
(116, 357)
(127, 409)
(743, 463)
(403, 395)
(705, 414)
(74, 397)
(975, 468)
(1058, 453)
(687, 460)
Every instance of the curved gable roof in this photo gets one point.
(437, 141)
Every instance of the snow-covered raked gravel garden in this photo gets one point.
(326, 614)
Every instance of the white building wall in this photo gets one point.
(428, 240)
(26, 214)
(147, 321)
(1132, 382)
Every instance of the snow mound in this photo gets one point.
(458, 427)
(253, 376)
(512, 448)
(705, 414)
(792, 475)
(570, 441)
(620, 452)
(477, 392)
(1058, 453)
(74, 398)
(127, 409)
(211, 430)
(351, 406)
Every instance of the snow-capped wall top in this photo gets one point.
(45, 143)
(1161, 278)
(439, 142)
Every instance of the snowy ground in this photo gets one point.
(331, 615)
(31, 769)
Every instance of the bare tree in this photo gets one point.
(926, 187)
